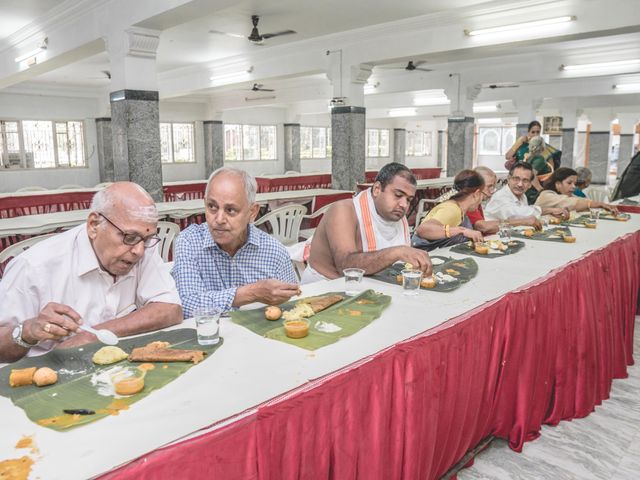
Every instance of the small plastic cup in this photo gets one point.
(411, 282)
(352, 281)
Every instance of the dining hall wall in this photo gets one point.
(14, 106)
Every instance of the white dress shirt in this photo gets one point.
(504, 205)
(64, 269)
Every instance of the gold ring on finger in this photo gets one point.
(47, 327)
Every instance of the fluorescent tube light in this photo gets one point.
(34, 52)
(627, 87)
(485, 108)
(520, 26)
(233, 75)
(599, 66)
(402, 112)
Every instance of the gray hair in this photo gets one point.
(536, 145)
(250, 184)
(104, 202)
(584, 175)
(485, 172)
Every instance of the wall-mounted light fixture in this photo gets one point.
(32, 53)
(486, 108)
(520, 26)
(241, 75)
(627, 87)
(596, 67)
(370, 88)
(255, 99)
(402, 112)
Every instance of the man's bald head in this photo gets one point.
(125, 199)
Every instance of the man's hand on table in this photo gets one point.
(78, 340)
(419, 259)
(274, 292)
(54, 322)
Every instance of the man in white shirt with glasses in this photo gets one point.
(105, 273)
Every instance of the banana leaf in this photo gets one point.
(460, 271)
(621, 217)
(351, 315)
(552, 234)
(467, 248)
(45, 405)
(580, 221)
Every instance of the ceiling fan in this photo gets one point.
(106, 75)
(255, 36)
(493, 86)
(411, 66)
(259, 87)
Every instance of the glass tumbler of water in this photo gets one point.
(208, 325)
(594, 213)
(411, 281)
(505, 232)
(352, 281)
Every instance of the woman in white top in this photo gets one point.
(558, 192)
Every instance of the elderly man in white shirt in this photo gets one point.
(509, 204)
(104, 273)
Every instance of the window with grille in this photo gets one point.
(315, 142)
(250, 142)
(495, 140)
(41, 144)
(418, 143)
(177, 143)
(377, 142)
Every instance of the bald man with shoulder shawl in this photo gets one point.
(369, 231)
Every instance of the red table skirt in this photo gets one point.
(629, 208)
(36, 204)
(545, 353)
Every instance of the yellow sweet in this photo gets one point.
(109, 355)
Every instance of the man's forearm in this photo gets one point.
(370, 262)
(153, 316)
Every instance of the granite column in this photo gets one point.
(460, 144)
(599, 156)
(213, 146)
(568, 139)
(135, 129)
(348, 147)
(292, 147)
(400, 145)
(105, 149)
(625, 152)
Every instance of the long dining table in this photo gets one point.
(535, 338)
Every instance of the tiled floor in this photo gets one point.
(604, 445)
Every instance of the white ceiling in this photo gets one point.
(187, 48)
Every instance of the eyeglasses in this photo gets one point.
(519, 179)
(132, 239)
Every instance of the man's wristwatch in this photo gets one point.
(17, 337)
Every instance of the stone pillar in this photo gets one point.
(555, 141)
(348, 147)
(399, 145)
(213, 146)
(625, 153)
(292, 147)
(568, 139)
(442, 150)
(105, 149)
(599, 156)
(460, 144)
(135, 129)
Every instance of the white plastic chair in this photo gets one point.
(71, 186)
(167, 231)
(597, 194)
(307, 233)
(422, 208)
(284, 222)
(18, 248)
(33, 188)
(103, 185)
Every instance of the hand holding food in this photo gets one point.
(274, 292)
(472, 235)
(54, 322)
(419, 259)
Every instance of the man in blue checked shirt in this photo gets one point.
(228, 262)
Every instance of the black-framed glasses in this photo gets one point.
(133, 239)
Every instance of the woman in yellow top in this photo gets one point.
(447, 224)
(558, 192)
